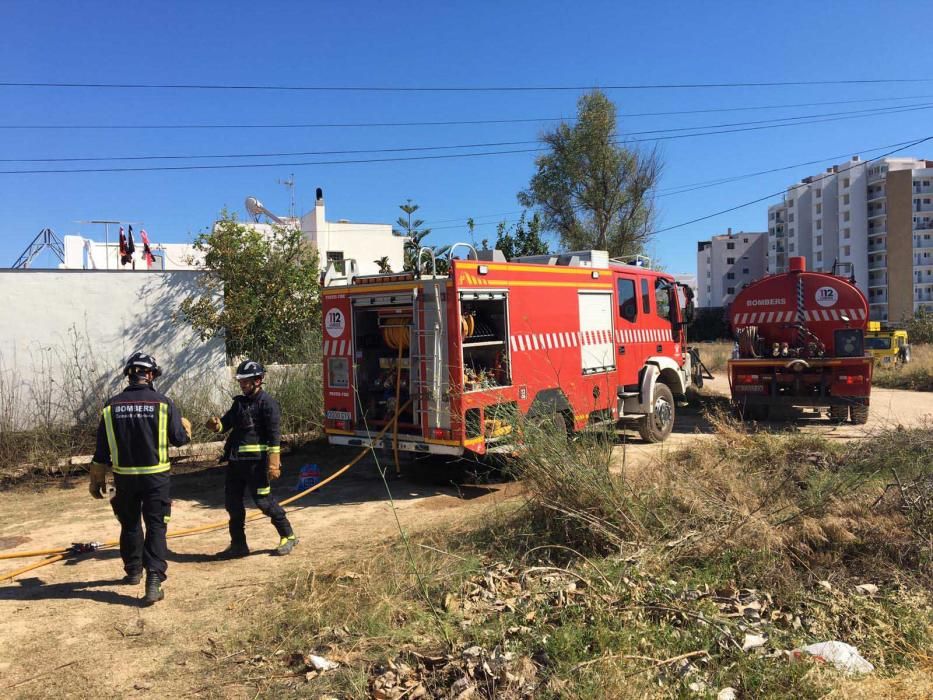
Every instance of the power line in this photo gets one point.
(462, 88)
(794, 187)
(770, 123)
(682, 189)
(466, 122)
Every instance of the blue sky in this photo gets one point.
(431, 44)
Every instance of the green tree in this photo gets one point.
(383, 264)
(591, 192)
(261, 292)
(412, 231)
(523, 238)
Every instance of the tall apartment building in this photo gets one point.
(874, 217)
(728, 262)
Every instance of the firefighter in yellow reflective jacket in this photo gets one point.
(136, 428)
(253, 449)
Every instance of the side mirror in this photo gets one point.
(689, 311)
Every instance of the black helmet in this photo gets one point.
(140, 360)
(248, 369)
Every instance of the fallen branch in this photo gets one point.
(39, 675)
(634, 657)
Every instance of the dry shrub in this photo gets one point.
(791, 494)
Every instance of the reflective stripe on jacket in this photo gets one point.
(135, 430)
(254, 425)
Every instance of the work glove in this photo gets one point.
(214, 425)
(98, 480)
(275, 466)
(186, 424)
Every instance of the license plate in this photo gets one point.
(337, 415)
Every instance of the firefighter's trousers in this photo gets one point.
(142, 498)
(251, 475)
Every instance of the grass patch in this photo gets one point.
(917, 375)
(646, 582)
(715, 355)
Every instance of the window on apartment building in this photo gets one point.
(744, 270)
(730, 290)
(847, 250)
(845, 199)
(771, 216)
(847, 233)
(819, 192)
(790, 231)
(845, 216)
(819, 224)
(790, 218)
(845, 182)
(819, 240)
(926, 183)
(771, 231)
(790, 202)
(730, 261)
(791, 247)
(744, 240)
(926, 201)
(819, 257)
(730, 246)
(730, 275)
(707, 289)
(819, 208)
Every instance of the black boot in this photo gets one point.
(154, 592)
(131, 579)
(236, 550)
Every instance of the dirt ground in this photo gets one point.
(87, 635)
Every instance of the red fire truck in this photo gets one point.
(569, 340)
(801, 343)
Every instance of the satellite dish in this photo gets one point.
(254, 207)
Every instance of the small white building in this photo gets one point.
(339, 240)
(85, 254)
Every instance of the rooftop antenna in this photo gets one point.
(290, 184)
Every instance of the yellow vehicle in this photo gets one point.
(888, 345)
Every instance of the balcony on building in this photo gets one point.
(876, 194)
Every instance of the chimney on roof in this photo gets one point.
(729, 231)
(319, 197)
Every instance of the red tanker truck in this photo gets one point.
(800, 339)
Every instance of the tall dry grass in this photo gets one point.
(917, 375)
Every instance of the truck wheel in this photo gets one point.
(658, 425)
(859, 414)
(838, 414)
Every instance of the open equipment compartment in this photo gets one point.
(484, 329)
(380, 332)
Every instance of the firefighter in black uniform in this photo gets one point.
(136, 428)
(254, 452)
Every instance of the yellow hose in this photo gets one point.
(59, 554)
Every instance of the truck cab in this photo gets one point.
(888, 345)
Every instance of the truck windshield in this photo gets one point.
(878, 343)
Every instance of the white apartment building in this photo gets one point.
(728, 262)
(874, 217)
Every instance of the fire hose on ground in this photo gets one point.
(55, 555)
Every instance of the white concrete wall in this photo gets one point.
(748, 253)
(49, 316)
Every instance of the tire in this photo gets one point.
(656, 426)
(859, 414)
(838, 414)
